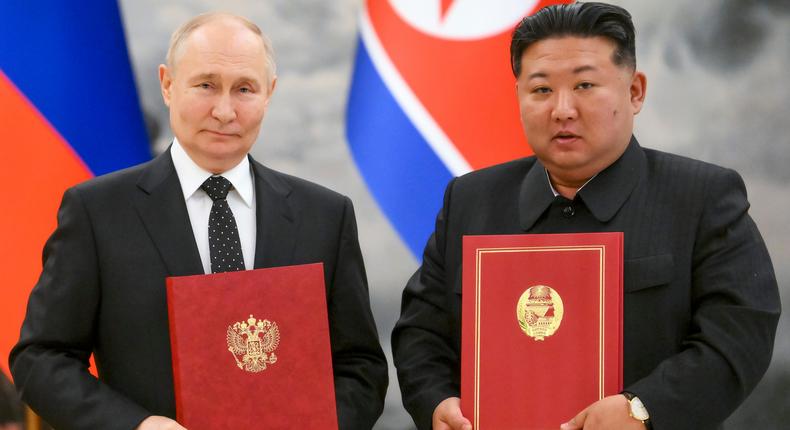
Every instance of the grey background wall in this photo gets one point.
(717, 90)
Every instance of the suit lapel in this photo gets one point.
(275, 222)
(164, 213)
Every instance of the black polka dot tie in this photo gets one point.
(223, 234)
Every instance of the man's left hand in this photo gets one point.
(608, 413)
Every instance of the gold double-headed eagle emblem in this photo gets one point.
(253, 342)
(539, 311)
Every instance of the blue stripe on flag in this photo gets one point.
(401, 170)
(70, 60)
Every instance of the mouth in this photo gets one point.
(564, 137)
(221, 134)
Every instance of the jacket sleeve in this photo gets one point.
(359, 365)
(425, 340)
(50, 362)
(735, 311)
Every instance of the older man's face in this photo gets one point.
(577, 106)
(217, 90)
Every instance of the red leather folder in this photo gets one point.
(541, 327)
(251, 349)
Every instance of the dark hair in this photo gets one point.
(576, 19)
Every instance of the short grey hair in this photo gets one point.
(183, 32)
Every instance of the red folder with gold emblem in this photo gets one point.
(541, 327)
(251, 349)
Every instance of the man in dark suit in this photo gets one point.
(700, 297)
(102, 289)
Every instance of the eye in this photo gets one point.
(245, 90)
(541, 90)
(585, 85)
(204, 85)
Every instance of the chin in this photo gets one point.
(568, 164)
(222, 147)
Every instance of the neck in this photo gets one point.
(566, 191)
(566, 188)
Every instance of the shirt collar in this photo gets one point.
(554, 190)
(604, 194)
(192, 176)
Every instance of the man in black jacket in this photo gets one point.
(700, 297)
(102, 288)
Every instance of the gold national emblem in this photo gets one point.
(539, 312)
(252, 343)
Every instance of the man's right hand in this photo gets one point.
(155, 422)
(447, 416)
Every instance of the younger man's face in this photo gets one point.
(577, 106)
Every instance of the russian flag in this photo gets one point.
(432, 97)
(68, 111)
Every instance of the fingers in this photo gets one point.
(461, 423)
(576, 423)
(159, 423)
(458, 422)
(448, 416)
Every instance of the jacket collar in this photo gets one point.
(275, 218)
(604, 195)
(163, 210)
(164, 213)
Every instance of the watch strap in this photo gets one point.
(630, 396)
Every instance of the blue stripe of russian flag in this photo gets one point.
(70, 60)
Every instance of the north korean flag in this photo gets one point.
(432, 97)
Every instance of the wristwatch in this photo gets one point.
(637, 409)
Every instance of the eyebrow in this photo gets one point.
(203, 76)
(576, 71)
(585, 68)
(212, 76)
(537, 75)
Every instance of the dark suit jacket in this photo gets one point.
(102, 290)
(701, 300)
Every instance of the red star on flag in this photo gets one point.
(445, 6)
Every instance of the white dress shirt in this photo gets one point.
(241, 199)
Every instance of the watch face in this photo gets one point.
(638, 409)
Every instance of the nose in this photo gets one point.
(224, 110)
(564, 107)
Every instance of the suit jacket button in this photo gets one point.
(568, 211)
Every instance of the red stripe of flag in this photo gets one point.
(39, 166)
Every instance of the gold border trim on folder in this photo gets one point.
(601, 309)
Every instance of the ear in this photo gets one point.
(165, 83)
(637, 90)
(271, 90)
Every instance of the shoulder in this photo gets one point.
(688, 174)
(669, 163)
(301, 191)
(111, 186)
(491, 192)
